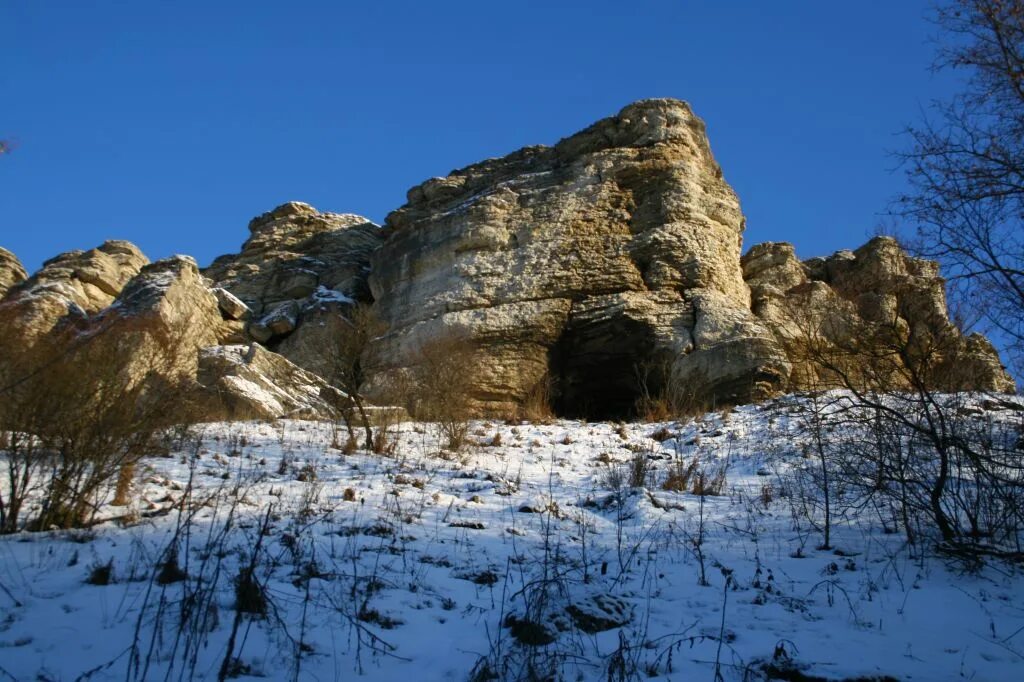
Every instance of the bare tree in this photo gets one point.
(965, 164)
(929, 454)
(351, 363)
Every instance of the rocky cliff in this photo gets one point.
(598, 269)
(847, 296)
(616, 248)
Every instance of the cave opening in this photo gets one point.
(596, 369)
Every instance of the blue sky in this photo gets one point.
(171, 124)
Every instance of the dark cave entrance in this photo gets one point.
(594, 369)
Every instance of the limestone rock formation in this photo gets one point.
(162, 317)
(618, 247)
(250, 382)
(230, 305)
(107, 311)
(604, 267)
(168, 322)
(69, 288)
(842, 295)
(296, 272)
(11, 271)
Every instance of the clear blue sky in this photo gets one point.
(171, 124)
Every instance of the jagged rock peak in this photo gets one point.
(298, 265)
(643, 123)
(296, 220)
(93, 278)
(11, 271)
(69, 288)
(150, 285)
(294, 249)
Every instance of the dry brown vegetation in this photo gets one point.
(664, 396)
(445, 372)
(73, 420)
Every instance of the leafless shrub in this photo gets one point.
(385, 440)
(352, 364)
(665, 395)
(536, 406)
(639, 469)
(75, 417)
(680, 474)
(708, 483)
(445, 371)
(918, 450)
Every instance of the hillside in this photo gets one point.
(557, 548)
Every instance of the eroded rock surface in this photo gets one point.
(112, 315)
(162, 317)
(604, 267)
(298, 270)
(847, 295)
(69, 288)
(11, 271)
(250, 382)
(616, 248)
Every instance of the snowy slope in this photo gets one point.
(424, 565)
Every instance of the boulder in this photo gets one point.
(231, 307)
(250, 382)
(614, 249)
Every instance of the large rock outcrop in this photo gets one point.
(168, 322)
(602, 267)
(11, 271)
(846, 299)
(615, 249)
(297, 271)
(69, 288)
(107, 316)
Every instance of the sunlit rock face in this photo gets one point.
(603, 268)
(68, 288)
(850, 295)
(297, 272)
(614, 250)
(11, 271)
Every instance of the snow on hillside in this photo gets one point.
(530, 551)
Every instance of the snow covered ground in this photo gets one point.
(530, 551)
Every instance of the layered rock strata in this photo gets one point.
(11, 271)
(583, 263)
(596, 272)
